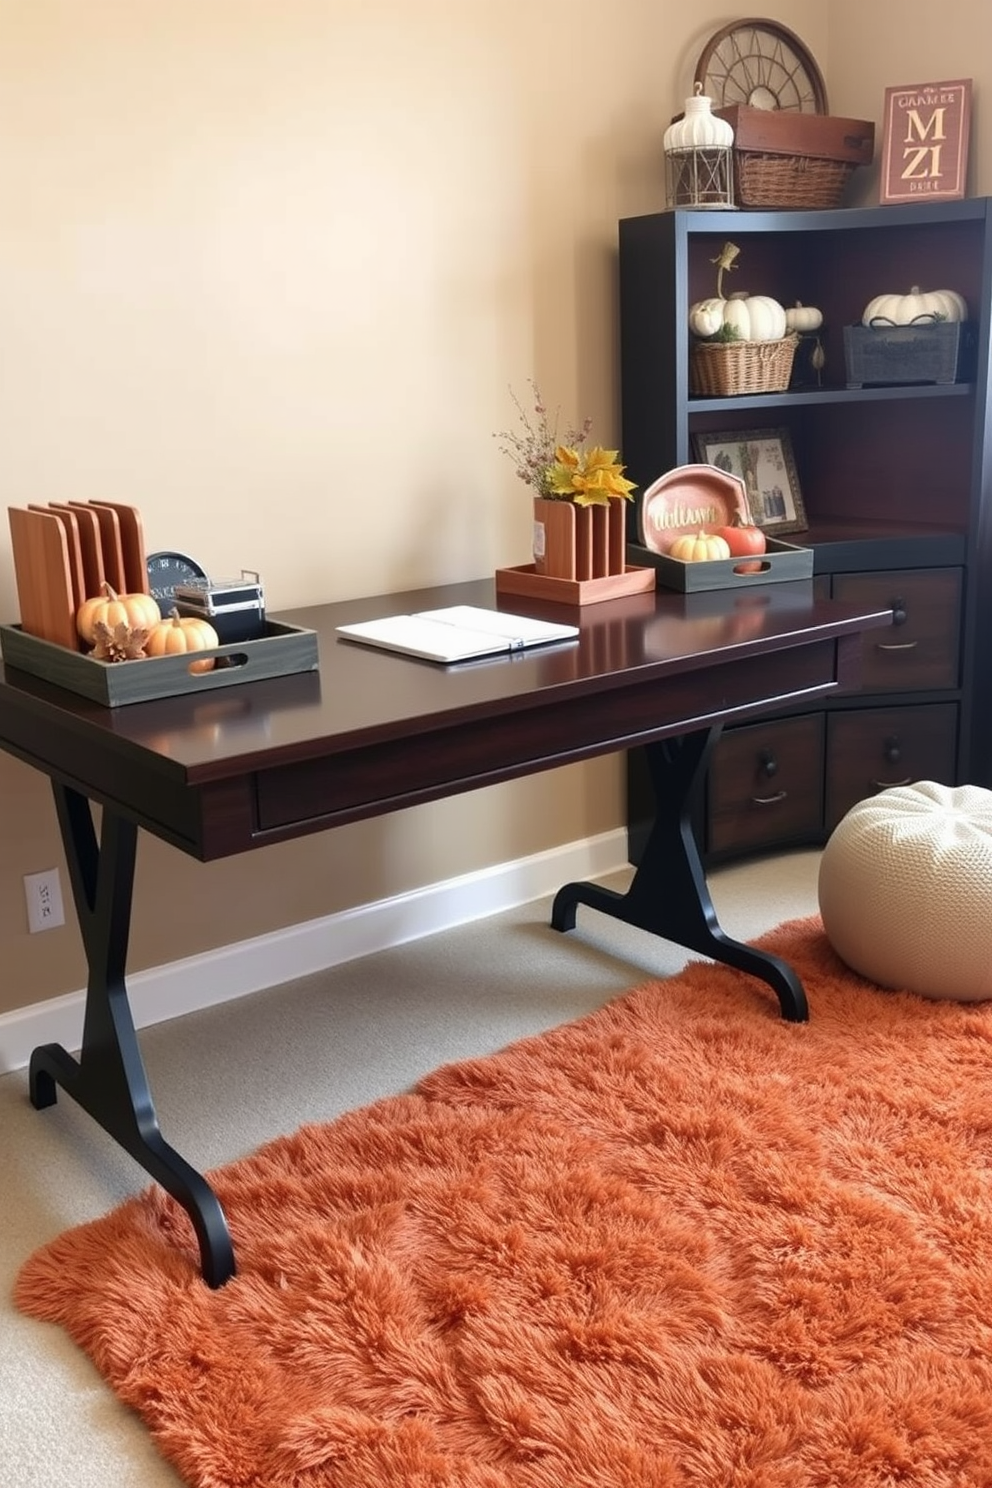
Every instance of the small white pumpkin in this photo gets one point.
(706, 317)
(800, 317)
(915, 308)
(752, 317)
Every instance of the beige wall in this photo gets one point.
(267, 268)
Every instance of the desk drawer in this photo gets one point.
(766, 785)
(921, 648)
(463, 753)
(871, 748)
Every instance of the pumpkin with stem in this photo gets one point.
(183, 633)
(699, 547)
(800, 317)
(743, 538)
(916, 308)
(135, 611)
(739, 316)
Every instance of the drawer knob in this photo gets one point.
(899, 614)
(768, 764)
(892, 754)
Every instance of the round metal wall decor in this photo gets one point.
(761, 64)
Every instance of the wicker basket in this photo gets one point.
(783, 181)
(725, 369)
(783, 159)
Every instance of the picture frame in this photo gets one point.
(764, 460)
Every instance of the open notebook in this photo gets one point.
(457, 633)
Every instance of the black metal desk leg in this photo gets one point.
(108, 1080)
(668, 894)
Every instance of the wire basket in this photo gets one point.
(725, 369)
(783, 181)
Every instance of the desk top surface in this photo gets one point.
(361, 696)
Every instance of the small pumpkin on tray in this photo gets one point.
(699, 547)
(745, 540)
(183, 633)
(108, 608)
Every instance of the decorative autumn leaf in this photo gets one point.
(122, 643)
(562, 479)
(590, 479)
(570, 458)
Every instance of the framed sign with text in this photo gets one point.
(925, 150)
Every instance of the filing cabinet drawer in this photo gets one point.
(920, 650)
(871, 748)
(765, 785)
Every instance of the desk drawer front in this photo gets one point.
(872, 748)
(921, 648)
(389, 775)
(766, 785)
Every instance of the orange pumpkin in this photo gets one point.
(181, 633)
(742, 538)
(136, 611)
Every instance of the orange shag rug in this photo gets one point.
(679, 1243)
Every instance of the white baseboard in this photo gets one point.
(268, 960)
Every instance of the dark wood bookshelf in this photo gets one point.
(895, 479)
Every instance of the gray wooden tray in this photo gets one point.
(906, 354)
(781, 561)
(281, 650)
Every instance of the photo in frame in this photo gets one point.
(763, 459)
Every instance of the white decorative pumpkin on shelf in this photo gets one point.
(916, 308)
(739, 316)
(800, 317)
(746, 317)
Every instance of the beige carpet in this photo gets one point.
(296, 1054)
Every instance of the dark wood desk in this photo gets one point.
(237, 768)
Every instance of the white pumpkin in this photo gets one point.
(800, 317)
(915, 308)
(753, 317)
(706, 317)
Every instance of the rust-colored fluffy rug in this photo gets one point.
(678, 1242)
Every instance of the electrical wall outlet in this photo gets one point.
(43, 893)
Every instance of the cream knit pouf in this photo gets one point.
(905, 890)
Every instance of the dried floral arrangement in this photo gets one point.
(562, 470)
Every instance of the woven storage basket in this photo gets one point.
(783, 159)
(785, 181)
(723, 369)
